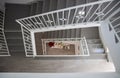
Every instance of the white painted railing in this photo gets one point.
(90, 12)
(27, 41)
(3, 44)
(82, 44)
(114, 23)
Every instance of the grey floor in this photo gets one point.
(19, 63)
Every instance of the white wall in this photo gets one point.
(108, 40)
(59, 75)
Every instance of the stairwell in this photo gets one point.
(12, 29)
(92, 35)
(14, 11)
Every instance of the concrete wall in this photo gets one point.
(108, 38)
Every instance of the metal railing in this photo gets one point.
(84, 47)
(114, 23)
(3, 44)
(90, 12)
(73, 16)
(27, 41)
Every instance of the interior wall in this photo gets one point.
(108, 38)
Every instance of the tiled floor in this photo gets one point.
(61, 51)
(20, 63)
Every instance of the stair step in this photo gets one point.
(93, 41)
(16, 48)
(16, 44)
(13, 31)
(14, 38)
(13, 34)
(12, 51)
(14, 41)
(97, 56)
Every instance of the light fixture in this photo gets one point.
(81, 12)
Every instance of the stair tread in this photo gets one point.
(12, 30)
(14, 38)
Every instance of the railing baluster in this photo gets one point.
(80, 15)
(41, 21)
(104, 9)
(94, 12)
(38, 26)
(68, 16)
(21, 22)
(110, 10)
(30, 23)
(35, 26)
(49, 21)
(45, 21)
(53, 19)
(76, 9)
(87, 13)
(63, 18)
(58, 18)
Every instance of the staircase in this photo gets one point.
(14, 35)
(13, 31)
(92, 35)
(14, 40)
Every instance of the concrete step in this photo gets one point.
(16, 48)
(14, 41)
(13, 35)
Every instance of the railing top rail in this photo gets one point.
(60, 39)
(78, 6)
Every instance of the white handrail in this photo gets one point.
(83, 5)
(60, 14)
(86, 45)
